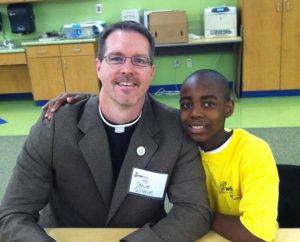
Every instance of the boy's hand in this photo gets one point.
(53, 105)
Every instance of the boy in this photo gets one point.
(241, 174)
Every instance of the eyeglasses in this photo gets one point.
(137, 60)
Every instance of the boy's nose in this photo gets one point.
(197, 111)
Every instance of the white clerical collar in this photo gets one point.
(119, 128)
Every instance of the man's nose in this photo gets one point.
(127, 67)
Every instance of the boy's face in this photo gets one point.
(203, 110)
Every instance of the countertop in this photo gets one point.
(14, 50)
(45, 42)
(54, 42)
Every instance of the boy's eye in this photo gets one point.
(185, 106)
(209, 104)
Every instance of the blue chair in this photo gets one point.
(289, 196)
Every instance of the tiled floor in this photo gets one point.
(20, 116)
(249, 113)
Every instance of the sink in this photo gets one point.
(10, 47)
(10, 50)
(3, 48)
(7, 45)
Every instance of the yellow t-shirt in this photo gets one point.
(242, 180)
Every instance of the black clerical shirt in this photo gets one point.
(118, 143)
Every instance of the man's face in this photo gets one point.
(125, 84)
(203, 110)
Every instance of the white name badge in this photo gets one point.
(147, 183)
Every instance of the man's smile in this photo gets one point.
(126, 84)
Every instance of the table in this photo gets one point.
(114, 235)
(201, 45)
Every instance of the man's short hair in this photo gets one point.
(126, 26)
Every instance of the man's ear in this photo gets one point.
(152, 71)
(98, 67)
(229, 108)
(98, 64)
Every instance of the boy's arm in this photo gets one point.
(53, 105)
(231, 228)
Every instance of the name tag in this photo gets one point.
(147, 183)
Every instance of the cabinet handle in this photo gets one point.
(77, 50)
(278, 5)
(42, 52)
(287, 5)
(65, 63)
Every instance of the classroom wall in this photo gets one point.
(52, 14)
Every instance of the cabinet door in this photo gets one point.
(78, 49)
(79, 67)
(14, 77)
(80, 74)
(46, 77)
(43, 51)
(13, 59)
(262, 44)
(290, 61)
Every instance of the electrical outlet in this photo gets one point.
(99, 8)
(189, 62)
(176, 63)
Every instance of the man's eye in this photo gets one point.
(116, 58)
(140, 60)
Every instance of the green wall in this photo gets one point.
(52, 14)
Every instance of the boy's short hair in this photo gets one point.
(213, 75)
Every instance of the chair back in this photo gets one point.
(289, 196)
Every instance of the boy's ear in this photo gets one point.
(229, 108)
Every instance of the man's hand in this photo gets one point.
(53, 105)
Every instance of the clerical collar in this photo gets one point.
(119, 128)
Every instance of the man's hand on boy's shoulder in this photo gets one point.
(54, 104)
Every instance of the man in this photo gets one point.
(109, 160)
